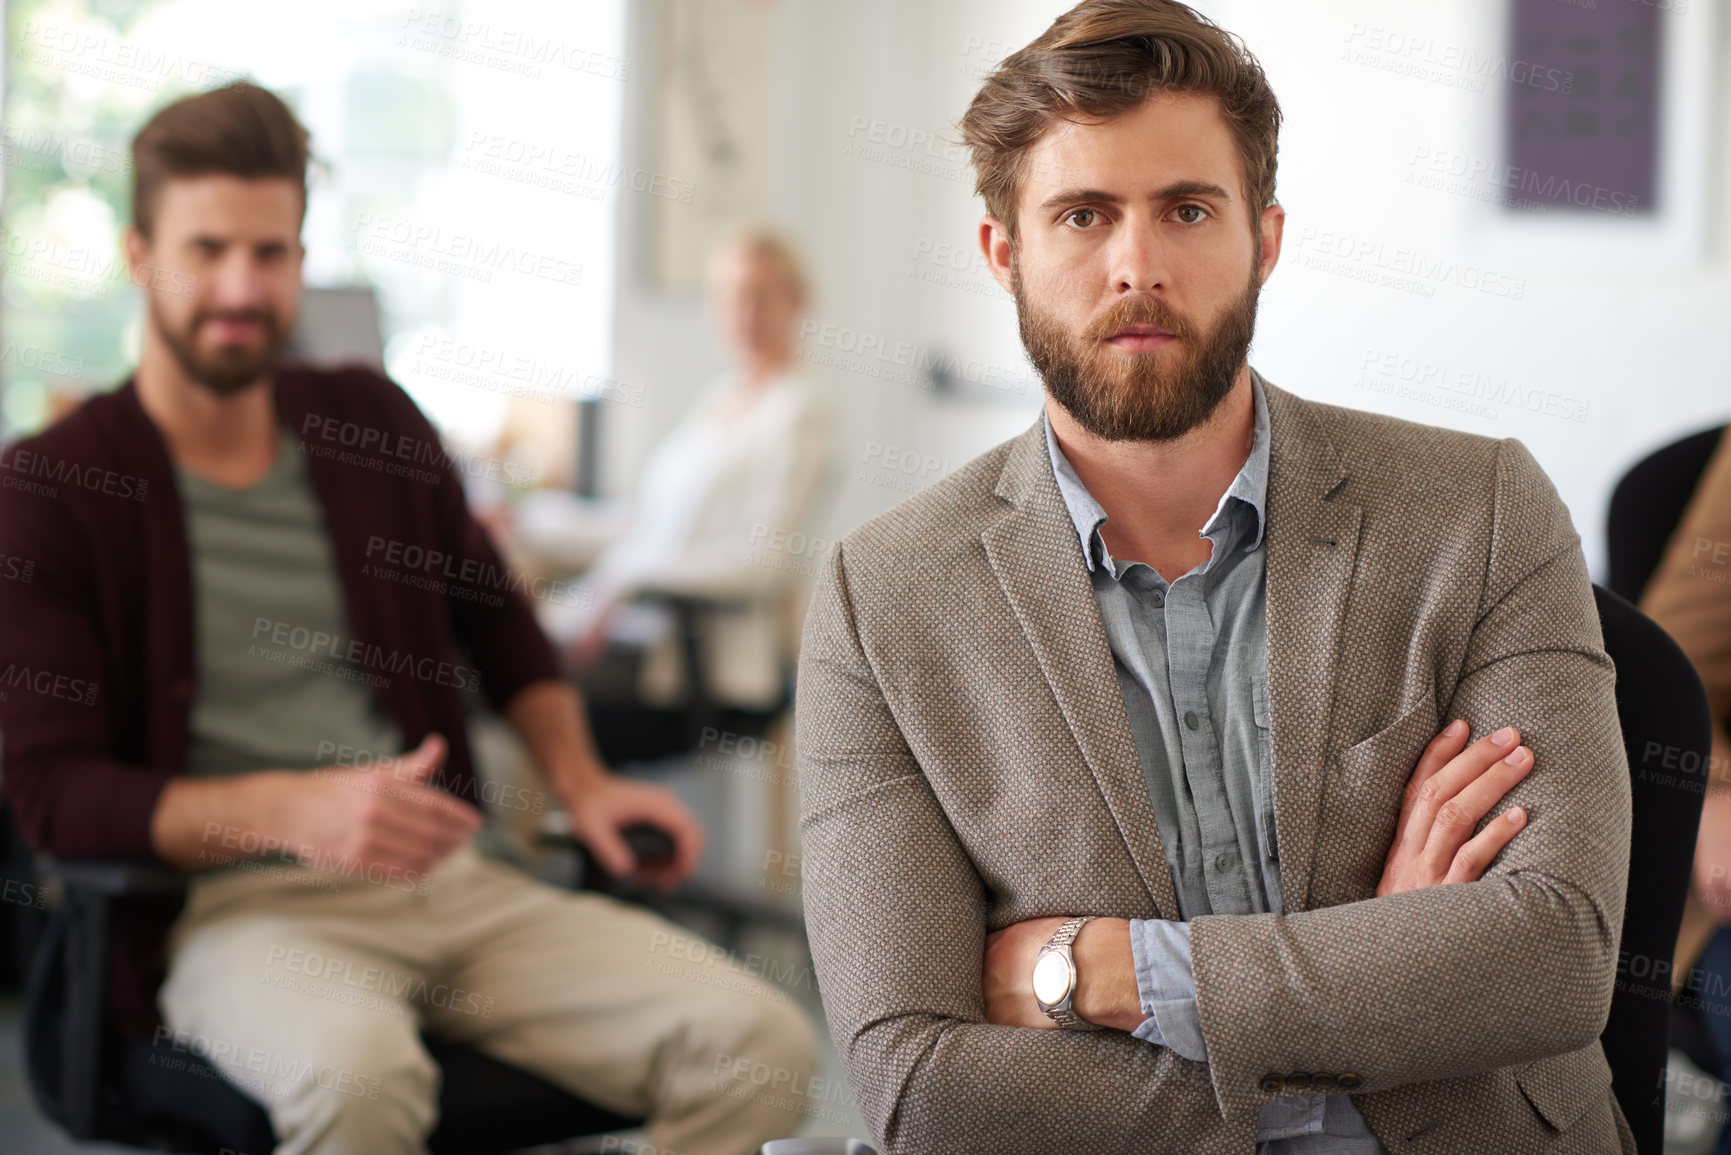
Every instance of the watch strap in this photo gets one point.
(1063, 1013)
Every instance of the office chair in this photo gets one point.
(627, 730)
(23, 913)
(147, 1092)
(1663, 711)
(1666, 723)
(1646, 506)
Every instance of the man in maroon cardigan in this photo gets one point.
(257, 602)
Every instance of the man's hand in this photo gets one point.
(1454, 786)
(605, 805)
(382, 814)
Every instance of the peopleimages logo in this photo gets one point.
(327, 653)
(902, 362)
(40, 474)
(48, 684)
(369, 444)
(29, 148)
(463, 576)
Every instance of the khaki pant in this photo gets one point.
(309, 993)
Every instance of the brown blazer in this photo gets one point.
(967, 763)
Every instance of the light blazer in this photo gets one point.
(966, 763)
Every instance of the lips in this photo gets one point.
(1140, 331)
(235, 329)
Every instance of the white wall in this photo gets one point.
(1633, 338)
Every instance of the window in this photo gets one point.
(468, 171)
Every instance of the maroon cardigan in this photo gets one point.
(97, 658)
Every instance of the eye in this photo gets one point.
(1082, 218)
(1201, 214)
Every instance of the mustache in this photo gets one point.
(262, 316)
(1139, 310)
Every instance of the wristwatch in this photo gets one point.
(1055, 976)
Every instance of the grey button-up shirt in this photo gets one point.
(1192, 663)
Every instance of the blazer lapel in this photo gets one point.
(1038, 562)
(1312, 546)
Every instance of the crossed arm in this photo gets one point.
(1454, 786)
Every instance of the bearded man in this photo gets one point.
(1128, 822)
(268, 586)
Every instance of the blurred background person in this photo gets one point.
(265, 688)
(740, 475)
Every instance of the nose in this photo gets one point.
(237, 282)
(1138, 259)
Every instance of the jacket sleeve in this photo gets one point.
(1456, 980)
(72, 796)
(897, 919)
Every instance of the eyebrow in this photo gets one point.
(1183, 188)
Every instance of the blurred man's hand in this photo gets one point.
(606, 806)
(382, 814)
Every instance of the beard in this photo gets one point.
(1148, 396)
(231, 368)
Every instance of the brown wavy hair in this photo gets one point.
(1104, 58)
(241, 130)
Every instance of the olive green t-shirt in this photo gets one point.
(276, 687)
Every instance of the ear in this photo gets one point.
(137, 252)
(1273, 227)
(999, 250)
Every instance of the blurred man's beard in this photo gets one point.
(1140, 396)
(231, 368)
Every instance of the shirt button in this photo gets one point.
(1222, 861)
(1190, 719)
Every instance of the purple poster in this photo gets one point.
(1581, 119)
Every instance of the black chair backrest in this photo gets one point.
(1647, 505)
(1667, 732)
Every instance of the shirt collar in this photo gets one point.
(1249, 487)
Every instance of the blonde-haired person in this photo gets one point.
(740, 468)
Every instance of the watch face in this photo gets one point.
(1051, 978)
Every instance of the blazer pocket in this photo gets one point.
(1561, 1087)
(1391, 754)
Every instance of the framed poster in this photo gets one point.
(1581, 132)
(1603, 132)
